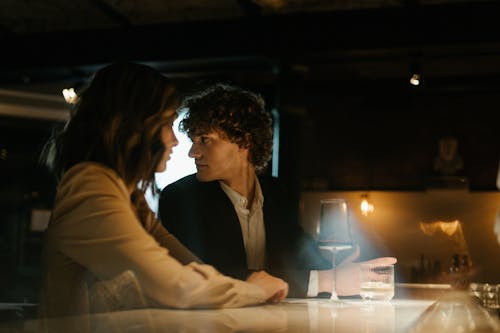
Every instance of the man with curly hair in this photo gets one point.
(228, 213)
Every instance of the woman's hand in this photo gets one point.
(276, 289)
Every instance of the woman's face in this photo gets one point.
(169, 142)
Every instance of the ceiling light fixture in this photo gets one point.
(415, 74)
(415, 79)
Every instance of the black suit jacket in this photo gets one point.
(203, 218)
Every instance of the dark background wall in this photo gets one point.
(387, 139)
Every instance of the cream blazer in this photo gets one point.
(94, 232)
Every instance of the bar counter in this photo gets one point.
(292, 315)
(454, 312)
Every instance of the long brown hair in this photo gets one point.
(117, 122)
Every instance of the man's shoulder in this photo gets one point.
(187, 181)
(177, 195)
(188, 184)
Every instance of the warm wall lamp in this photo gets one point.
(366, 206)
(70, 95)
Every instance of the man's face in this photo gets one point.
(217, 158)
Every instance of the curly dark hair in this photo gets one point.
(237, 114)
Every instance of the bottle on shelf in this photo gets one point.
(464, 272)
(455, 271)
(459, 271)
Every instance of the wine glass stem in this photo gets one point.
(334, 284)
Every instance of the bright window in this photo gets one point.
(179, 165)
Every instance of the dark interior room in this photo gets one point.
(363, 93)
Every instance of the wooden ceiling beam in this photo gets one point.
(284, 37)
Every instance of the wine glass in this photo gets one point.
(334, 234)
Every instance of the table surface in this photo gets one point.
(303, 316)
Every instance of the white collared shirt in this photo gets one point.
(254, 233)
(251, 223)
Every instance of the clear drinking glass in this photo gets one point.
(334, 232)
(376, 282)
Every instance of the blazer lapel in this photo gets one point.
(222, 230)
